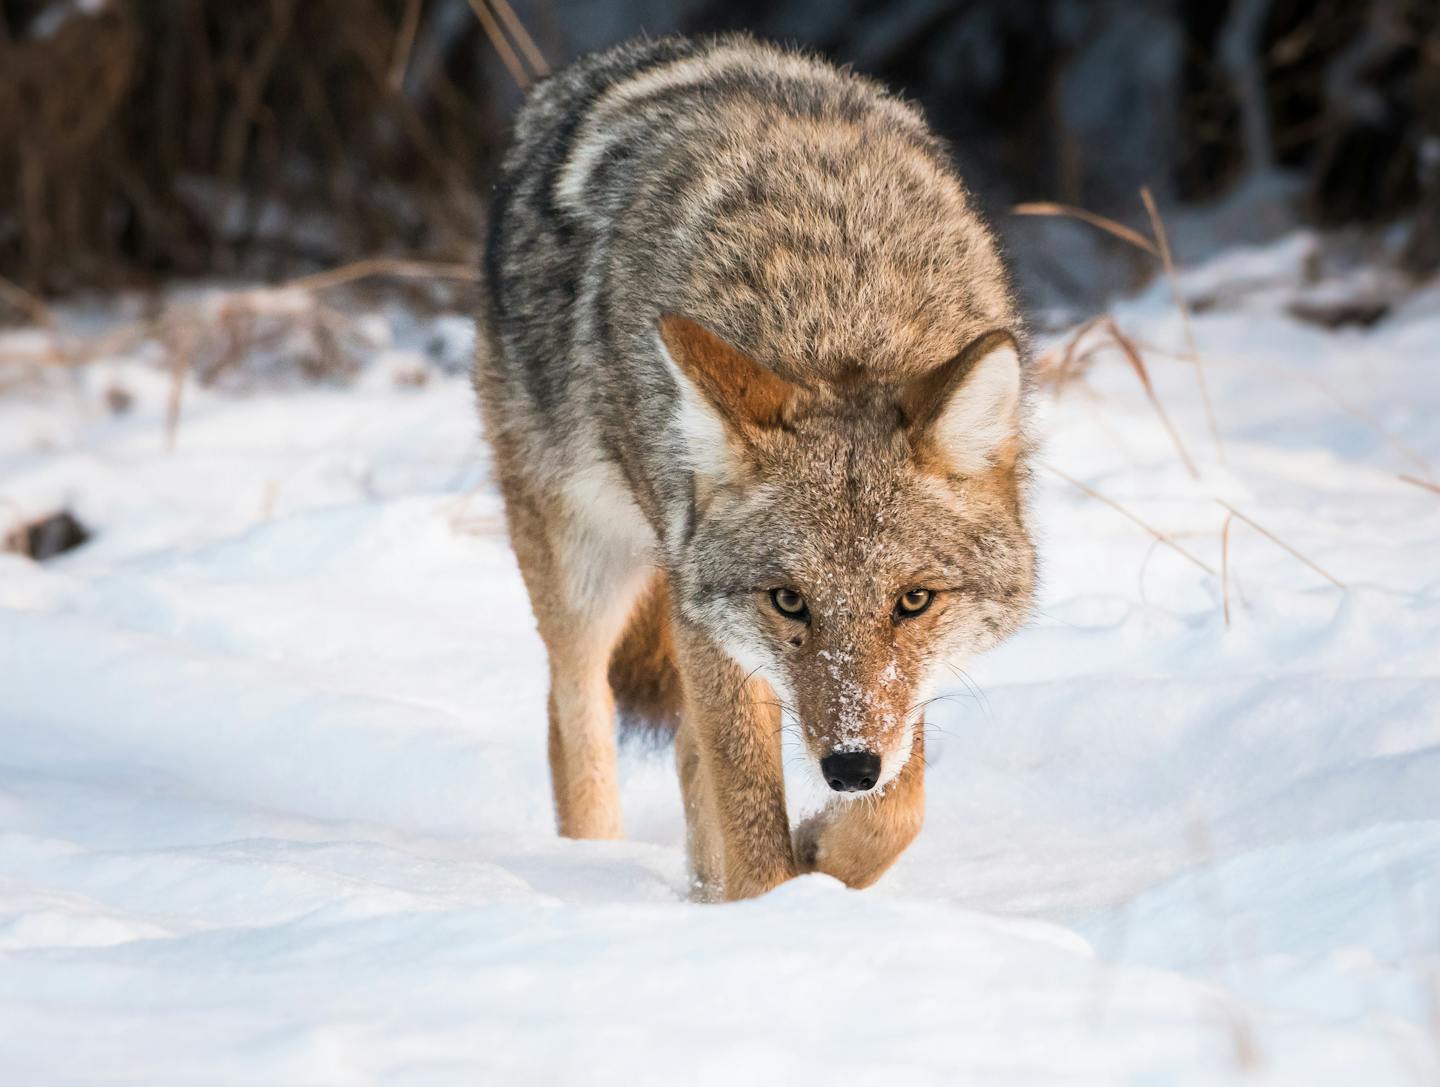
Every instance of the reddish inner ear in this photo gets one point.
(746, 394)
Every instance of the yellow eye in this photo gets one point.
(912, 603)
(789, 603)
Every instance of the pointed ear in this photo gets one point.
(747, 397)
(969, 408)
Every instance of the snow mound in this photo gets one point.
(274, 805)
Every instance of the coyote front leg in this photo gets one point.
(739, 782)
(583, 771)
(702, 834)
(581, 598)
(857, 840)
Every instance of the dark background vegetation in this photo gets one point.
(142, 140)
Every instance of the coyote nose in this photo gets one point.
(851, 771)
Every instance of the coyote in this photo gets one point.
(753, 377)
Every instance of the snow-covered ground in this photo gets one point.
(274, 804)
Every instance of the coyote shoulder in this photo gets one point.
(752, 375)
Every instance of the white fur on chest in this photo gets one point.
(607, 543)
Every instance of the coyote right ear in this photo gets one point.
(969, 407)
(748, 398)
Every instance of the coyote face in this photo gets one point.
(848, 547)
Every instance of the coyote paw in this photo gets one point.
(807, 844)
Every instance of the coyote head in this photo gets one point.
(849, 537)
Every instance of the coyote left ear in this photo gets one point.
(748, 397)
(969, 407)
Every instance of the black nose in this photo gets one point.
(851, 771)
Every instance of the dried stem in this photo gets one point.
(404, 43)
(522, 38)
(181, 349)
(1225, 566)
(1138, 364)
(1425, 484)
(1280, 543)
(1341, 402)
(1162, 243)
(1110, 226)
(1152, 530)
(1060, 375)
(507, 55)
(381, 266)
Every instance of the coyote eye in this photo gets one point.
(790, 604)
(912, 603)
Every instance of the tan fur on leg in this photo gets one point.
(736, 728)
(580, 634)
(583, 770)
(856, 841)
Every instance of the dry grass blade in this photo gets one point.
(1422, 483)
(404, 42)
(381, 266)
(1060, 375)
(1162, 243)
(182, 346)
(1151, 529)
(1138, 364)
(508, 56)
(1110, 226)
(522, 37)
(1277, 541)
(1225, 566)
(1326, 390)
